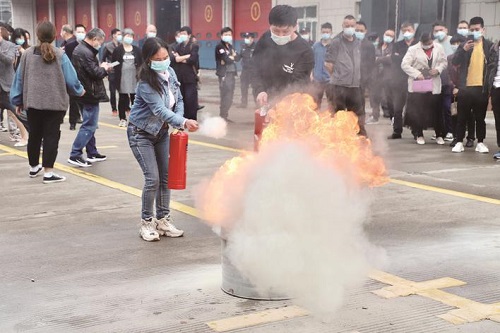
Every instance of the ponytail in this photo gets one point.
(48, 53)
(46, 33)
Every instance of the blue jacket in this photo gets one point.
(150, 109)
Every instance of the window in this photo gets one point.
(5, 11)
(308, 18)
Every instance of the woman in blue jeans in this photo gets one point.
(158, 105)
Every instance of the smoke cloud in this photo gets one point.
(213, 127)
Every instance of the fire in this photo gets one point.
(333, 141)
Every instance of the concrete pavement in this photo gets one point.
(72, 261)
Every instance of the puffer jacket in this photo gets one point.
(492, 66)
(90, 74)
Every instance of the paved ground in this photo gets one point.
(71, 259)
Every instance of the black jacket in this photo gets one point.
(69, 46)
(245, 56)
(278, 67)
(118, 54)
(223, 62)
(367, 62)
(400, 78)
(492, 67)
(462, 60)
(188, 72)
(90, 74)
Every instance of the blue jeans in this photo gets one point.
(85, 137)
(152, 154)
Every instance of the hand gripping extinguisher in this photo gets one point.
(177, 160)
(261, 122)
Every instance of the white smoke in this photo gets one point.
(299, 228)
(213, 127)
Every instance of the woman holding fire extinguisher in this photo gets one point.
(158, 105)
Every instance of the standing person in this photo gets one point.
(367, 60)
(440, 34)
(225, 58)
(400, 78)
(246, 55)
(19, 39)
(305, 33)
(494, 87)
(283, 61)
(343, 59)
(151, 32)
(425, 61)
(44, 76)
(91, 75)
(158, 106)
(67, 36)
(107, 56)
(453, 76)
(463, 28)
(380, 91)
(472, 95)
(130, 59)
(321, 76)
(187, 62)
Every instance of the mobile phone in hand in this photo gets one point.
(470, 38)
(114, 64)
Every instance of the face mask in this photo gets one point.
(306, 37)
(359, 35)
(178, 40)
(183, 38)
(325, 36)
(98, 47)
(280, 40)
(388, 39)
(375, 44)
(454, 47)
(349, 32)
(80, 36)
(119, 38)
(128, 40)
(227, 39)
(247, 41)
(463, 32)
(440, 35)
(427, 47)
(477, 35)
(19, 41)
(408, 35)
(160, 66)
(151, 34)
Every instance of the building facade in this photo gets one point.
(207, 17)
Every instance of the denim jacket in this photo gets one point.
(150, 110)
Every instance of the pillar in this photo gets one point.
(119, 14)
(71, 13)
(93, 14)
(227, 13)
(185, 9)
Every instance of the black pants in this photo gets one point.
(399, 96)
(124, 103)
(226, 88)
(245, 82)
(350, 98)
(319, 89)
(44, 125)
(74, 110)
(495, 101)
(423, 111)
(189, 93)
(471, 98)
(112, 91)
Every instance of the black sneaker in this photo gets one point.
(199, 107)
(79, 161)
(394, 136)
(72, 127)
(55, 178)
(96, 158)
(35, 173)
(469, 143)
(453, 143)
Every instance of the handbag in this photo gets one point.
(422, 86)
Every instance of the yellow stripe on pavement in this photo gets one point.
(104, 181)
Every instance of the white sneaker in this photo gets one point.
(123, 123)
(148, 231)
(420, 140)
(449, 137)
(165, 227)
(371, 121)
(459, 148)
(439, 140)
(481, 148)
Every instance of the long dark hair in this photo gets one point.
(46, 33)
(19, 33)
(150, 48)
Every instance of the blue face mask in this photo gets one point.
(359, 35)
(349, 32)
(19, 41)
(160, 66)
(98, 47)
(440, 35)
(178, 40)
(119, 38)
(183, 38)
(388, 39)
(326, 36)
(80, 36)
(247, 41)
(128, 40)
(477, 35)
(463, 32)
(227, 39)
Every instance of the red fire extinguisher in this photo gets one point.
(261, 122)
(177, 160)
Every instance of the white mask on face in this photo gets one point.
(280, 40)
(349, 32)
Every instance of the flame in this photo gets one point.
(333, 139)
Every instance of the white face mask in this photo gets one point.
(80, 36)
(408, 35)
(463, 32)
(426, 47)
(306, 37)
(280, 40)
(151, 34)
(349, 32)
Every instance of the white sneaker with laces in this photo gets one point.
(459, 148)
(148, 231)
(165, 227)
(449, 137)
(481, 148)
(123, 123)
(420, 140)
(439, 140)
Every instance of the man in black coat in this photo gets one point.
(91, 76)
(245, 56)
(225, 58)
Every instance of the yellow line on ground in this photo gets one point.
(6, 154)
(445, 191)
(104, 181)
(107, 147)
(258, 318)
